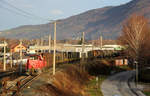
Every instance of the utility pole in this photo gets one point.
(41, 41)
(136, 70)
(11, 61)
(62, 56)
(20, 56)
(101, 42)
(83, 46)
(54, 55)
(20, 49)
(49, 43)
(4, 66)
(92, 45)
(37, 42)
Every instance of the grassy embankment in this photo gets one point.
(79, 79)
(94, 86)
(147, 93)
(101, 69)
(144, 78)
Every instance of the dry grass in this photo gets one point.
(68, 82)
(72, 80)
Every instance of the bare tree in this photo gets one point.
(136, 33)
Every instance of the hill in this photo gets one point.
(105, 21)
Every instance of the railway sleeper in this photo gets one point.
(10, 87)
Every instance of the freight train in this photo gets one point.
(105, 53)
(37, 63)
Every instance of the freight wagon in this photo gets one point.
(37, 63)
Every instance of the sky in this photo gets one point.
(14, 13)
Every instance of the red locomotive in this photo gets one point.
(35, 64)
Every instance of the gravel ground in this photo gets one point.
(30, 91)
(116, 85)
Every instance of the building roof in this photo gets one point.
(14, 45)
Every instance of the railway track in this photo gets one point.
(128, 87)
(133, 87)
(121, 84)
(130, 84)
(3, 74)
(25, 83)
(15, 87)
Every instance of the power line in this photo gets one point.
(15, 12)
(22, 11)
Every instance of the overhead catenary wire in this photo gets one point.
(15, 12)
(19, 11)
